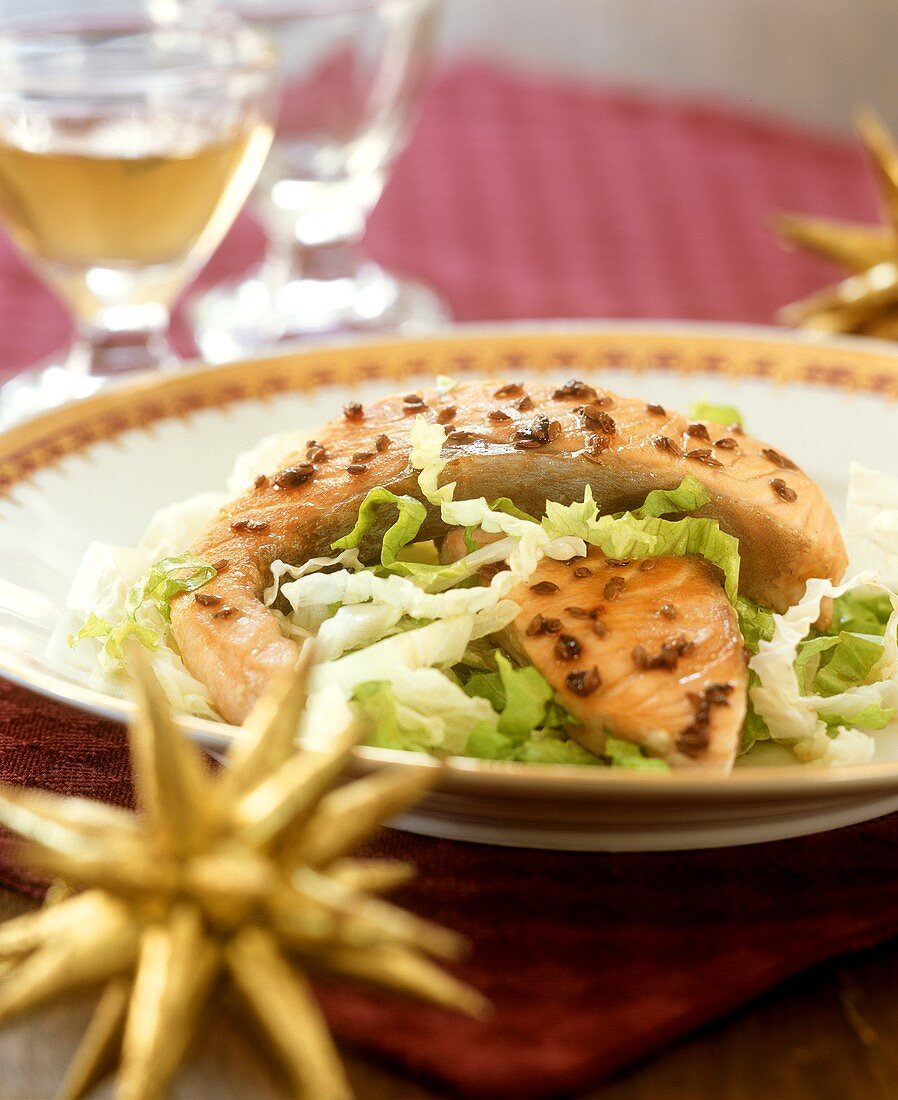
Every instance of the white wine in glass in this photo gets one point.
(352, 71)
(127, 147)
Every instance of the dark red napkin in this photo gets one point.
(524, 198)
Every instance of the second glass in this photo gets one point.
(352, 73)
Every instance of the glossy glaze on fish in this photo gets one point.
(648, 652)
(531, 442)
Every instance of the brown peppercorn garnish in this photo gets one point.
(512, 389)
(575, 388)
(459, 436)
(597, 447)
(353, 411)
(656, 410)
(726, 444)
(317, 454)
(539, 624)
(666, 657)
(554, 431)
(413, 399)
(599, 628)
(582, 681)
(698, 431)
(693, 740)
(778, 460)
(251, 525)
(409, 408)
(491, 568)
(538, 433)
(704, 456)
(261, 482)
(782, 490)
(577, 612)
(613, 588)
(543, 588)
(221, 566)
(292, 476)
(527, 444)
(567, 648)
(615, 564)
(447, 414)
(206, 599)
(582, 571)
(525, 404)
(666, 444)
(646, 564)
(363, 456)
(597, 418)
(356, 468)
(225, 612)
(381, 443)
(736, 429)
(498, 414)
(667, 611)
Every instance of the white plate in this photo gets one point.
(99, 469)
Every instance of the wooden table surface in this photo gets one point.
(831, 1034)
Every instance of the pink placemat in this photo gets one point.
(524, 198)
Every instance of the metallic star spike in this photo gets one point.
(867, 301)
(242, 878)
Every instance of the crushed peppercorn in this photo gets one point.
(567, 648)
(206, 599)
(251, 525)
(292, 476)
(783, 491)
(511, 389)
(779, 460)
(382, 443)
(544, 588)
(582, 681)
(575, 388)
(353, 410)
(613, 588)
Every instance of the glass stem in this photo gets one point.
(121, 340)
(325, 262)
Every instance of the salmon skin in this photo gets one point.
(533, 443)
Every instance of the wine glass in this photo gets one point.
(128, 143)
(352, 71)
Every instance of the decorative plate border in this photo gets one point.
(856, 366)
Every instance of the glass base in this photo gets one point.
(238, 320)
(45, 387)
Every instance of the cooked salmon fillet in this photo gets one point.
(531, 442)
(648, 652)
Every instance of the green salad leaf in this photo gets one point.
(830, 665)
(755, 622)
(157, 587)
(688, 496)
(861, 612)
(624, 754)
(411, 514)
(627, 537)
(716, 414)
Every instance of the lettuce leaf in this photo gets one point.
(716, 414)
(507, 505)
(627, 537)
(411, 514)
(688, 496)
(154, 590)
(624, 754)
(520, 696)
(846, 665)
(861, 613)
(755, 622)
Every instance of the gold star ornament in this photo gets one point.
(867, 300)
(242, 879)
